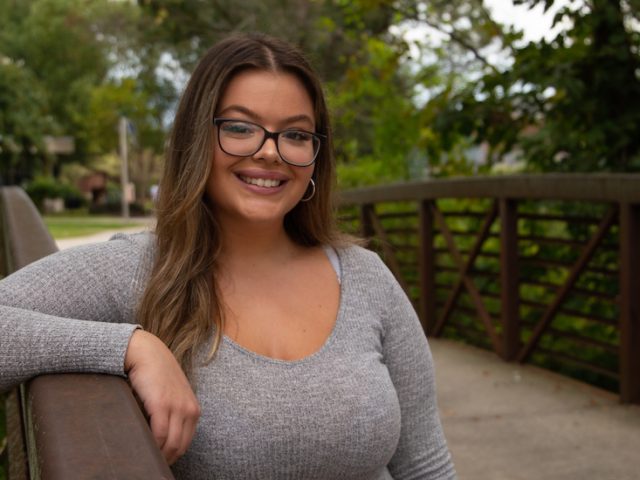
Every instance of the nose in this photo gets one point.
(268, 151)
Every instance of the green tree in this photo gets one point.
(375, 120)
(570, 104)
(114, 99)
(108, 103)
(324, 29)
(24, 116)
(55, 42)
(69, 52)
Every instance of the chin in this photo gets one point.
(263, 216)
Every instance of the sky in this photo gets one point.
(534, 23)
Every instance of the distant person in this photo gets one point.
(305, 355)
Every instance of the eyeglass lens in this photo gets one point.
(243, 139)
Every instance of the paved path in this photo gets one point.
(506, 421)
(147, 224)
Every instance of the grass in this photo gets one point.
(68, 226)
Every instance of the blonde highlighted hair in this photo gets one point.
(181, 303)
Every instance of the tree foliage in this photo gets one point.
(52, 40)
(24, 115)
(57, 59)
(570, 104)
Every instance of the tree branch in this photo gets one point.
(452, 36)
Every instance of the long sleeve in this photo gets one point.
(422, 451)
(70, 312)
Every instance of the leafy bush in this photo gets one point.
(41, 188)
(47, 187)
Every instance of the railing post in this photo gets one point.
(427, 268)
(629, 303)
(509, 281)
(366, 225)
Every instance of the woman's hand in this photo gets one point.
(163, 388)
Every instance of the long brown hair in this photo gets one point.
(181, 303)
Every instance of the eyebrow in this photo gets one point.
(258, 118)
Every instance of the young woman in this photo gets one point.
(305, 356)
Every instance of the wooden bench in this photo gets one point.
(71, 426)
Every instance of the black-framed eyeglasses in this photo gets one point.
(242, 139)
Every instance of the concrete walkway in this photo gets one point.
(506, 421)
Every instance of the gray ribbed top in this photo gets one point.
(362, 407)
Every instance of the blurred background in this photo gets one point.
(417, 89)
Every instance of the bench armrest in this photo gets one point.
(88, 426)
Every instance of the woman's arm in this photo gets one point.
(34, 343)
(71, 311)
(74, 312)
(422, 451)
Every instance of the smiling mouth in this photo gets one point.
(261, 182)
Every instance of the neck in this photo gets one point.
(244, 243)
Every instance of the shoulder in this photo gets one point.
(372, 291)
(135, 241)
(136, 246)
(137, 249)
(119, 257)
(121, 250)
(361, 262)
(358, 254)
(364, 272)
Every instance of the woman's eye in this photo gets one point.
(297, 136)
(237, 128)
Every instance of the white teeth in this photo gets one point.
(261, 182)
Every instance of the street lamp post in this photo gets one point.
(124, 166)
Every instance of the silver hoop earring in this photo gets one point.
(313, 191)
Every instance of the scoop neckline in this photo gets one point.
(312, 356)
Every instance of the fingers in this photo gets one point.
(173, 433)
(172, 446)
(159, 423)
(164, 390)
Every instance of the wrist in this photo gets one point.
(138, 337)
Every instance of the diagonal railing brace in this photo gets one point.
(464, 268)
(574, 274)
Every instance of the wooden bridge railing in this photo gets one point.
(538, 268)
(79, 426)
